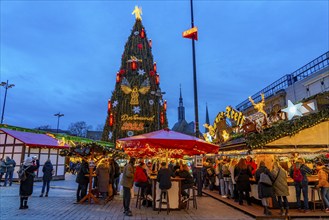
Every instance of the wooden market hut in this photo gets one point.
(19, 145)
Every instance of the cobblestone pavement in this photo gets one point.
(60, 206)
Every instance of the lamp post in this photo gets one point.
(58, 115)
(159, 94)
(7, 86)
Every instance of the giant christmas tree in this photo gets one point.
(136, 105)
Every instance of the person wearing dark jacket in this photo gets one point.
(187, 182)
(83, 180)
(47, 177)
(164, 177)
(10, 164)
(242, 174)
(265, 191)
(30, 165)
(301, 185)
(127, 183)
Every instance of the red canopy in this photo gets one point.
(165, 142)
(35, 140)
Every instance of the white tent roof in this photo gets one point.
(316, 135)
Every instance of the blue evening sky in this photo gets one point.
(63, 56)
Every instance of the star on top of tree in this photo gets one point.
(136, 109)
(293, 110)
(138, 12)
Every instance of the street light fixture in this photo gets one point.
(159, 94)
(7, 86)
(58, 115)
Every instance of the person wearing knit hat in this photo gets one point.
(30, 165)
(323, 184)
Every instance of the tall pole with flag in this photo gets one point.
(193, 34)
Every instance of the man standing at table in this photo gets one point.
(164, 177)
(127, 182)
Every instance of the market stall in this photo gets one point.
(19, 145)
(165, 144)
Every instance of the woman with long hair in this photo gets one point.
(242, 174)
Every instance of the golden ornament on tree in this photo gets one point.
(138, 12)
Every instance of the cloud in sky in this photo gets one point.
(63, 55)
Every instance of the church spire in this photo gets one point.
(181, 109)
(207, 119)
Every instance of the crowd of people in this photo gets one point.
(234, 181)
(234, 177)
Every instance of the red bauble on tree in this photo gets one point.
(122, 71)
(140, 46)
(152, 73)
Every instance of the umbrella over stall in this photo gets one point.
(165, 143)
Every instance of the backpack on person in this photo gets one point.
(297, 175)
(22, 173)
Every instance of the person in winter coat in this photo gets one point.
(47, 177)
(141, 180)
(111, 176)
(242, 174)
(251, 164)
(280, 187)
(231, 169)
(83, 180)
(127, 183)
(164, 177)
(219, 174)
(264, 191)
(30, 165)
(102, 173)
(187, 182)
(323, 184)
(10, 163)
(301, 185)
(3, 168)
(210, 175)
(228, 185)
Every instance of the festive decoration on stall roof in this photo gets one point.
(286, 128)
(293, 110)
(259, 106)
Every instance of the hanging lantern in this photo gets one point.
(118, 78)
(157, 79)
(155, 67)
(162, 118)
(150, 43)
(111, 120)
(142, 34)
(133, 65)
(152, 73)
(109, 105)
(165, 105)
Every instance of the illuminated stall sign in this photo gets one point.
(231, 113)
